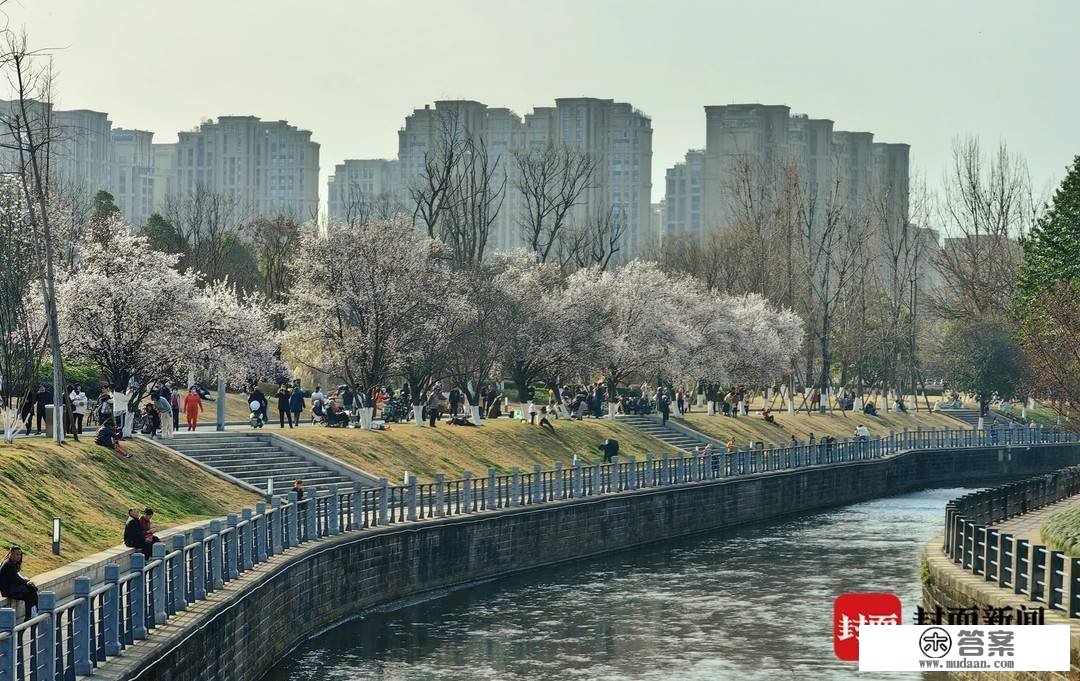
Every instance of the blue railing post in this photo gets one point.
(467, 490)
(598, 477)
(650, 471)
(274, 522)
(312, 518)
(179, 568)
(664, 469)
(631, 472)
(575, 479)
(538, 483)
(292, 521)
(695, 457)
(439, 502)
(47, 635)
(246, 536)
(384, 501)
(558, 486)
(198, 563)
(80, 618)
(7, 644)
(333, 511)
(137, 597)
(411, 514)
(216, 579)
(515, 486)
(232, 548)
(112, 606)
(357, 506)
(158, 586)
(490, 491)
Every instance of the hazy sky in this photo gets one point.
(916, 71)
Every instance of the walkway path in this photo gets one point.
(1027, 526)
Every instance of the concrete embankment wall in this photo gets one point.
(241, 631)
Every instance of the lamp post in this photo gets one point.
(56, 536)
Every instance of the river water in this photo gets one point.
(755, 603)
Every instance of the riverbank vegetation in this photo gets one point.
(90, 489)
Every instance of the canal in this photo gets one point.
(755, 603)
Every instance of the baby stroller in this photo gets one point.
(318, 413)
(256, 414)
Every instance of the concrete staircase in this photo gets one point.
(253, 458)
(653, 425)
(970, 418)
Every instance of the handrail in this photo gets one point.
(1033, 570)
(129, 604)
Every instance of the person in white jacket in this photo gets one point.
(78, 405)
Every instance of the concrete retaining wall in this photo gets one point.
(240, 632)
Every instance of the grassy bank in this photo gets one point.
(501, 444)
(90, 488)
(753, 428)
(1061, 531)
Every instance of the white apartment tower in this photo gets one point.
(133, 177)
(362, 179)
(268, 167)
(617, 136)
(683, 198)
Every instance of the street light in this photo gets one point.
(56, 536)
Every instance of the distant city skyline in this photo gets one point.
(350, 73)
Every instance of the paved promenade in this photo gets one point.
(1027, 526)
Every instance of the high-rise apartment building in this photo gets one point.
(165, 175)
(750, 144)
(80, 155)
(366, 180)
(683, 197)
(132, 181)
(615, 135)
(267, 167)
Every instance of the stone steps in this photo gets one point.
(655, 428)
(254, 458)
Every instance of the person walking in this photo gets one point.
(16, 587)
(455, 401)
(296, 405)
(41, 400)
(532, 412)
(433, 407)
(663, 404)
(174, 400)
(165, 415)
(119, 409)
(78, 404)
(283, 407)
(192, 407)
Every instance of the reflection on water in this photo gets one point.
(751, 604)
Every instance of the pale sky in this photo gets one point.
(918, 71)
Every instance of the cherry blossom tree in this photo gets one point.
(361, 295)
(126, 308)
(231, 336)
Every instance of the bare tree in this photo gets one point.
(30, 136)
(552, 181)
(360, 208)
(273, 241)
(460, 193)
(209, 226)
(831, 231)
(596, 242)
(988, 204)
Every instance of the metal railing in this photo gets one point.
(1039, 574)
(101, 620)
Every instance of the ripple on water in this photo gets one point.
(751, 604)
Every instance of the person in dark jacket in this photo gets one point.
(258, 396)
(296, 404)
(146, 524)
(298, 487)
(41, 399)
(134, 536)
(283, 407)
(16, 587)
